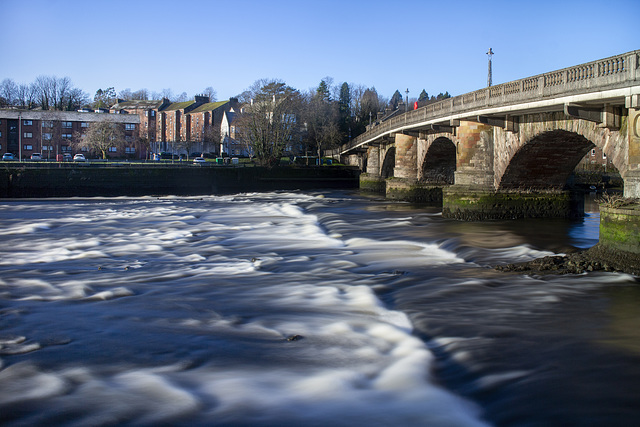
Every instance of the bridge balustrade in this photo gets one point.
(609, 73)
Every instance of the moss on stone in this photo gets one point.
(620, 228)
(480, 205)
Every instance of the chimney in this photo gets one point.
(201, 99)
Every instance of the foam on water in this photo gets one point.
(245, 309)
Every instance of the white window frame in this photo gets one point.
(66, 125)
(27, 147)
(27, 135)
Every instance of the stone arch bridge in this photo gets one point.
(508, 150)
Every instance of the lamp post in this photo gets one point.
(489, 54)
(406, 102)
(20, 136)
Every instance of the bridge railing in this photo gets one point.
(610, 73)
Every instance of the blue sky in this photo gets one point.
(189, 45)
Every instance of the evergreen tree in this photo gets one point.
(323, 91)
(424, 96)
(395, 99)
(344, 110)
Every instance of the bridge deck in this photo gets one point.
(609, 81)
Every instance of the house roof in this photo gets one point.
(209, 106)
(178, 105)
(147, 105)
(72, 116)
(230, 116)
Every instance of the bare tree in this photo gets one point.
(75, 99)
(211, 93)
(125, 94)
(270, 121)
(101, 136)
(45, 91)
(8, 93)
(140, 95)
(322, 120)
(166, 93)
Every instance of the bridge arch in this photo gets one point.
(546, 161)
(389, 163)
(439, 162)
(546, 150)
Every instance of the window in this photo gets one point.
(113, 149)
(130, 150)
(593, 152)
(47, 136)
(67, 136)
(27, 135)
(47, 124)
(129, 126)
(604, 156)
(85, 149)
(128, 138)
(67, 125)
(27, 122)
(65, 148)
(0, 134)
(84, 125)
(27, 147)
(47, 148)
(153, 113)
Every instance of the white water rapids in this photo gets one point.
(254, 309)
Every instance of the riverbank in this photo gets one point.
(596, 258)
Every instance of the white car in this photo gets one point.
(199, 161)
(79, 158)
(36, 156)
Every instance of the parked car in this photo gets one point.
(66, 157)
(36, 156)
(79, 158)
(199, 161)
(8, 156)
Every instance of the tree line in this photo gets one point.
(276, 117)
(58, 93)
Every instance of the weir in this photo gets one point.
(508, 151)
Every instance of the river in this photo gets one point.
(304, 308)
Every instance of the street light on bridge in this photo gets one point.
(406, 103)
(489, 54)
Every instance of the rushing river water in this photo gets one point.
(319, 309)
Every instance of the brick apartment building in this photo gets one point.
(53, 133)
(179, 127)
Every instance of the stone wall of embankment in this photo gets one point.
(87, 181)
